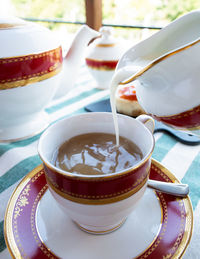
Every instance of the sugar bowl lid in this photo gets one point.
(106, 39)
(106, 47)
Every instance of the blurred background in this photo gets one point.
(133, 20)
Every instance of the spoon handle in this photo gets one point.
(176, 189)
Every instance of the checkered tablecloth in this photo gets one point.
(19, 158)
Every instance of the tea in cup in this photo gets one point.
(97, 184)
(96, 154)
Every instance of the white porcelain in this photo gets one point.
(53, 225)
(99, 219)
(74, 58)
(101, 215)
(20, 38)
(102, 56)
(166, 68)
(22, 104)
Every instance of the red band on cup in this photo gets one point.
(98, 190)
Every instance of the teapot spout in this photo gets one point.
(73, 59)
(83, 36)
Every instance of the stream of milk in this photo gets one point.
(128, 74)
(118, 77)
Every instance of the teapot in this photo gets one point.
(31, 70)
(165, 69)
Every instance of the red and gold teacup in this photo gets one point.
(98, 203)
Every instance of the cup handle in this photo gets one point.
(148, 122)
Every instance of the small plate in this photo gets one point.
(35, 227)
(25, 130)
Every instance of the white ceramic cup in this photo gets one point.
(98, 203)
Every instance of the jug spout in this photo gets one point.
(126, 74)
(123, 76)
(73, 59)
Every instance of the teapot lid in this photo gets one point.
(11, 23)
(20, 37)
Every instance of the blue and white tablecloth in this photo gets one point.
(19, 158)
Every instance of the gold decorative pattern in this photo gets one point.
(182, 114)
(101, 68)
(4, 26)
(19, 245)
(181, 231)
(22, 201)
(29, 79)
(101, 232)
(163, 230)
(44, 249)
(161, 173)
(10, 227)
(100, 199)
(35, 177)
(105, 45)
(167, 256)
(184, 228)
(30, 56)
(50, 179)
(186, 203)
(185, 206)
(32, 78)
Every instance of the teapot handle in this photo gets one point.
(148, 122)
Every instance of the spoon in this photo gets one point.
(176, 189)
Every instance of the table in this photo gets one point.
(19, 158)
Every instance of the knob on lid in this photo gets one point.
(106, 36)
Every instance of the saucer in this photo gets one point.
(159, 227)
(25, 130)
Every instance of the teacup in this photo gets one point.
(98, 203)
